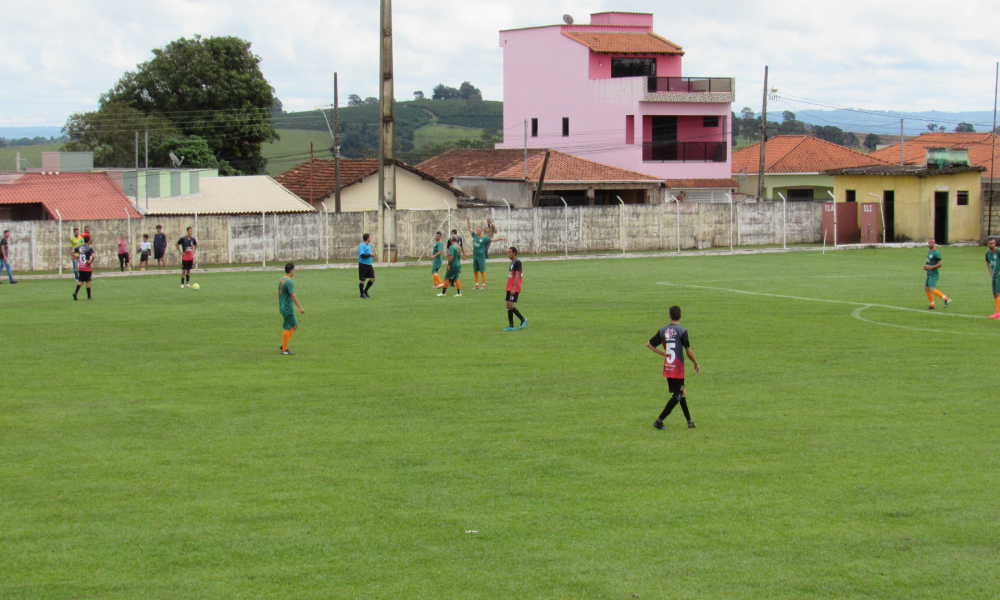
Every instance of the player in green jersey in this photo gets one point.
(454, 268)
(480, 243)
(438, 252)
(286, 298)
(933, 268)
(993, 265)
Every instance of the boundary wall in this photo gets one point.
(408, 234)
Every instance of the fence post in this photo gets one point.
(621, 224)
(31, 255)
(229, 234)
(730, 221)
(678, 203)
(566, 220)
(325, 232)
(784, 221)
(59, 247)
(263, 237)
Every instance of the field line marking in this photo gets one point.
(862, 304)
(857, 315)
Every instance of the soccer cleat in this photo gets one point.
(995, 315)
(691, 423)
(525, 321)
(366, 295)
(442, 294)
(458, 295)
(931, 307)
(15, 281)
(511, 328)
(658, 424)
(74, 297)
(287, 353)
(947, 301)
(182, 285)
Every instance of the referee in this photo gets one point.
(365, 268)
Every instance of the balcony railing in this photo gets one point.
(690, 85)
(684, 151)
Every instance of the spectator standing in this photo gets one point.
(123, 253)
(5, 255)
(144, 249)
(160, 247)
(75, 242)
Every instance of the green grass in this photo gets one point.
(153, 443)
(32, 153)
(429, 135)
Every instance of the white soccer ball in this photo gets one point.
(195, 287)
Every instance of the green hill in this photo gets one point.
(33, 154)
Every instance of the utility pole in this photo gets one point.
(525, 150)
(993, 150)
(145, 174)
(17, 161)
(386, 137)
(763, 142)
(336, 146)
(312, 163)
(902, 141)
(137, 170)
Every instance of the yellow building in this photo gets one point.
(917, 202)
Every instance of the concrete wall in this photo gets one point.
(250, 239)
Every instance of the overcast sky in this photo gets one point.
(58, 57)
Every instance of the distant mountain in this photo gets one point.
(15, 133)
(887, 122)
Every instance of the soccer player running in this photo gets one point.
(993, 265)
(454, 268)
(365, 268)
(514, 289)
(672, 338)
(480, 243)
(438, 252)
(187, 246)
(85, 264)
(933, 268)
(286, 297)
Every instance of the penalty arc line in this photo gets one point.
(857, 315)
(861, 304)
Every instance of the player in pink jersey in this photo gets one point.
(672, 338)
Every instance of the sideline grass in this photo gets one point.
(153, 443)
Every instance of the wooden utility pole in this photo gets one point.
(386, 133)
(541, 180)
(993, 149)
(336, 147)
(312, 162)
(763, 142)
(902, 143)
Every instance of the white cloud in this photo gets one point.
(895, 55)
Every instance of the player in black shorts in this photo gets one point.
(671, 342)
(85, 264)
(514, 290)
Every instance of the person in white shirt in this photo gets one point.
(144, 249)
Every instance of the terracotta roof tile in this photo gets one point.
(800, 154)
(624, 43)
(702, 183)
(980, 147)
(77, 196)
(315, 179)
(509, 164)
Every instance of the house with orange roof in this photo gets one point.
(315, 182)
(795, 167)
(502, 176)
(613, 91)
(71, 196)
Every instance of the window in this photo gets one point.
(800, 194)
(630, 129)
(633, 67)
(565, 126)
(852, 195)
(534, 128)
(963, 198)
(710, 121)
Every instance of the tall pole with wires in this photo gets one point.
(336, 147)
(902, 141)
(386, 137)
(763, 142)
(993, 150)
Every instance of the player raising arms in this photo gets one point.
(672, 338)
(480, 243)
(933, 268)
(993, 265)
(436, 260)
(514, 289)
(84, 265)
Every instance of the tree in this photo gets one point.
(110, 134)
(469, 91)
(418, 95)
(790, 125)
(965, 128)
(872, 141)
(209, 87)
(195, 151)
(354, 100)
(370, 100)
(735, 128)
(787, 116)
(830, 133)
(747, 112)
(443, 92)
(277, 108)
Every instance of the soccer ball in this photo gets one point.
(195, 287)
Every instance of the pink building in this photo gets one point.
(613, 92)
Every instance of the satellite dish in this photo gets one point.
(567, 19)
(177, 161)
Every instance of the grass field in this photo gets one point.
(441, 134)
(154, 444)
(33, 154)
